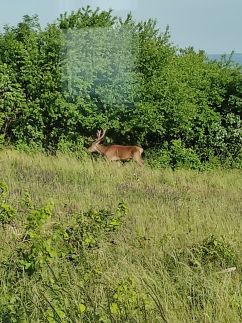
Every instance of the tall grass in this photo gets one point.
(183, 228)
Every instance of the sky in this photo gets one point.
(211, 25)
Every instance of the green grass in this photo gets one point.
(181, 230)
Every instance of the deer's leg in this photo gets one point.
(107, 159)
(141, 162)
(138, 159)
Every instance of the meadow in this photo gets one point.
(91, 241)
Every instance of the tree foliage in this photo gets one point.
(92, 70)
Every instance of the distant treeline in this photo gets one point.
(231, 58)
(91, 70)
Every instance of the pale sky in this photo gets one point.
(212, 25)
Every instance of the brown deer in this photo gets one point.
(116, 152)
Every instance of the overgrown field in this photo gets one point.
(89, 241)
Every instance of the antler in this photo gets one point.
(100, 135)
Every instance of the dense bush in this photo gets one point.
(91, 70)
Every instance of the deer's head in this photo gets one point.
(94, 145)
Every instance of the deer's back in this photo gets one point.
(123, 152)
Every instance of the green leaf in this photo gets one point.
(82, 308)
(114, 308)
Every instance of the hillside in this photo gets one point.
(162, 256)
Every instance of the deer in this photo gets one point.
(116, 152)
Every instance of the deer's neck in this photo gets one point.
(101, 149)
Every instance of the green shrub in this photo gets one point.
(212, 254)
(41, 247)
(158, 158)
(184, 157)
